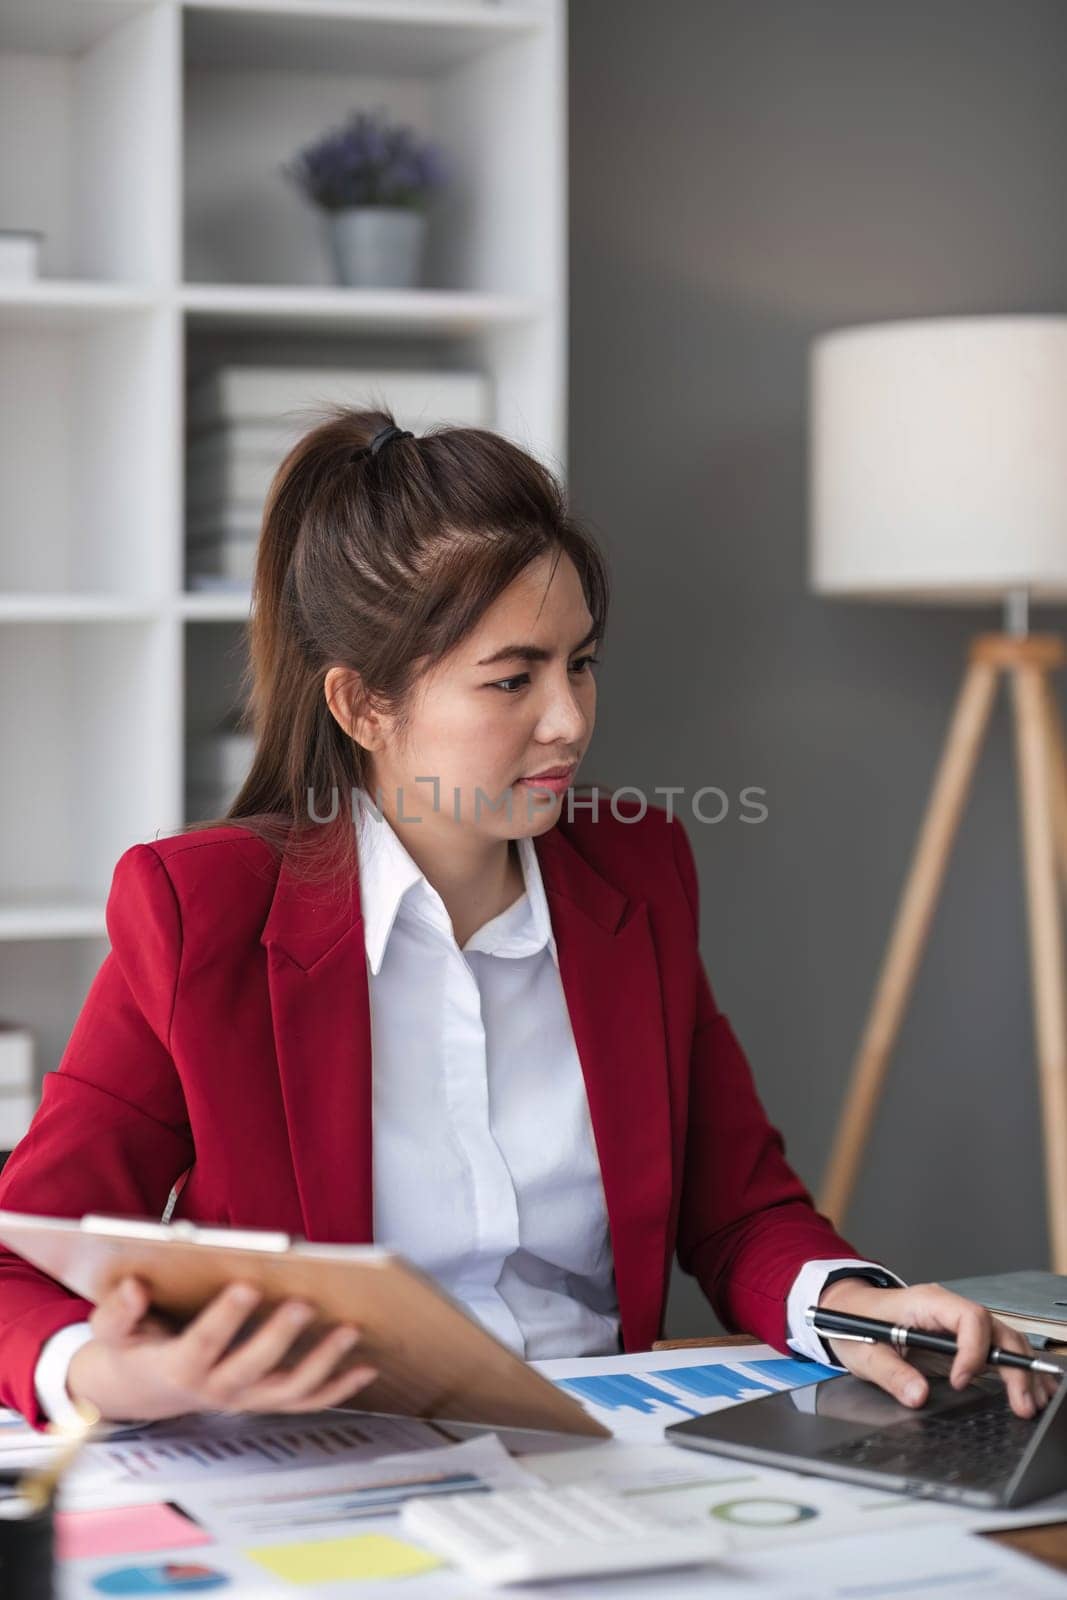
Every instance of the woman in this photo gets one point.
(557, 1105)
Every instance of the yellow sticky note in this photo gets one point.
(366, 1555)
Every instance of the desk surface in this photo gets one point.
(1047, 1542)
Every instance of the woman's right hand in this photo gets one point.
(135, 1368)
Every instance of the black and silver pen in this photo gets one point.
(872, 1330)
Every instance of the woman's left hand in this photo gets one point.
(938, 1310)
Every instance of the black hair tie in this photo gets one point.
(386, 434)
(382, 437)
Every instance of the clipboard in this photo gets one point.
(434, 1360)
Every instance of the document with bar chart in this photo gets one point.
(636, 1396)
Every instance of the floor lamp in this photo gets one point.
(939, 474)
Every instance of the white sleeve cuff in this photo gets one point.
(808, 1285)
(50, 1373)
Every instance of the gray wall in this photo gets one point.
(744, 175)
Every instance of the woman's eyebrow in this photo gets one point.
(531, 652)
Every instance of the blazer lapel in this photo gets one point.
(610, 977)
(320, 1007)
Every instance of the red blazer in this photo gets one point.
(227, 1034)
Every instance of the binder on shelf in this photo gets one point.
(222, 757)
(243, 419)
(241, 392)
(225, 561)
(216, 766)
(231, 522)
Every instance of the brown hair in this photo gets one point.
(380, 564)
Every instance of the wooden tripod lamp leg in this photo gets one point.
(1036, 776)
(1058, 757)
(910, 929)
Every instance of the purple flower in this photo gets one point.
(365, 162)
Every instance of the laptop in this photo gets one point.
(962, 1444)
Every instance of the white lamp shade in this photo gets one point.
(938, 459)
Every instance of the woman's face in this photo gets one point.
(481, 724)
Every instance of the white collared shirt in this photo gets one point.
(473, 1058)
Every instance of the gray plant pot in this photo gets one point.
(377, 246)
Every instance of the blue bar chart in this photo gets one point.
(640, 1401)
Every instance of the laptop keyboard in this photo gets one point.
(978, 1445)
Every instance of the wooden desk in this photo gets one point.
(1047, 1542)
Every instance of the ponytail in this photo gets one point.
(378, 561)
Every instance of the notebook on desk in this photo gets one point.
(1034, 1302)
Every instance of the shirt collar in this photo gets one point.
(391, 883)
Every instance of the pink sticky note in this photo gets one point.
(125, 1530)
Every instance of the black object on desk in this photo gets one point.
(961, 1444)
(27, 1544)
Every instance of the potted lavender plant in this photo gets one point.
(371, 182)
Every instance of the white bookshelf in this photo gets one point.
(144, 138)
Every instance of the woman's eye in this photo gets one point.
(512, 685)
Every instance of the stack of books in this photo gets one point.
(243, 419)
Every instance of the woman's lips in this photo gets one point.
(557, 785)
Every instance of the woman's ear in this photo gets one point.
(339, 690)
(343, 690)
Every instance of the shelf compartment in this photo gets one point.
(43, 987)
(105, 198)
(89, 412)
(87, 712)
(494, 107)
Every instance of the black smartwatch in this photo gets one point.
(874, 1275)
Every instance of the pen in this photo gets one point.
(37, 1488)
(872, 1330)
